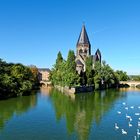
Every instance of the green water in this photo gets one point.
(51, 115)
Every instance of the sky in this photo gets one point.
(33, 31)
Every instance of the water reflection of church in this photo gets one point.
(80, 113)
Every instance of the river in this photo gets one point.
(51, 115)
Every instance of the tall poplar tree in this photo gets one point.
(56, 73)
(89, 71)
(71, 74)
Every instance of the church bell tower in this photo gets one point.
(83, 44)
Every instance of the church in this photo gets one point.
(83, 50)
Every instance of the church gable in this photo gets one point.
(84, 50)
(79, 66)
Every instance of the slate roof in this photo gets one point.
(98, 52)
(78, 62)
(44, 69)
(83, 37)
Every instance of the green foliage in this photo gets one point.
(107, 75)
(56, 75)
(101, 75)
(89, 71)
(104, 76)
(71, 65)
(135, 77)
(97, 75)
(59, 60)
(15, 79)
(121, 76)
(70, 71)
(35, 79)
(64, 72)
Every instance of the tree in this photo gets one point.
(71, 75)
(89, 71)
(104, 76)
(64, 72)
(35, 73)
(97, 75)
(59, 60)
(57, 70)
(101, 76)
(15, 79)
(122, 76)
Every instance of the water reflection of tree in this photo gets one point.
(15, 106)
(84, 110)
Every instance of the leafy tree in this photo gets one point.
(82, 80)
(35, 77)
(89, 71)
(15, 79)
(107, 75)
(122, 76)
(104, 76)
(56, 73)
(64, 72)
(59, 60)
(101, 75)
(71, 75)
(134, 77)
(97, 75)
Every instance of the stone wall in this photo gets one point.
(44, 75)
(84, 89)
(75, 90)
(66, 90)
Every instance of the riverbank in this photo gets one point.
(75, 90)
(84, 89)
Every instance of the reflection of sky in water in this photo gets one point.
(56, 116)
(132, 99)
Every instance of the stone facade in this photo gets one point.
(43, 74)
(83, 50)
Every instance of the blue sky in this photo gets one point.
(33, 31)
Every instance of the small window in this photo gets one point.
(85, 51)
(80, 51)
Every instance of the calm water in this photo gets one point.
(51, 115)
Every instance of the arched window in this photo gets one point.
(85, 51)
(80, 51)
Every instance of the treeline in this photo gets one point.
(102, 76)
(16, 79)
(135, 77)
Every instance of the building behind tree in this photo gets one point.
(83, 50)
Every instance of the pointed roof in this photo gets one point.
(98, 52)
(83, 37)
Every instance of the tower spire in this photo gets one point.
(83, 37)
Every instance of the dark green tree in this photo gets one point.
(121, 75)
(97, 75)
(71, 75)
(104, 76)
(56, 76)
(89, 71)
(15, 79)
(59, 60)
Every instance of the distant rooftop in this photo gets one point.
(44, 69)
